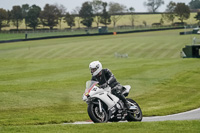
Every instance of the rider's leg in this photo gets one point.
(117, 91)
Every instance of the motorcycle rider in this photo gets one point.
(105, 78)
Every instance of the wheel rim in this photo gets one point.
(136, 114)
(100, 116)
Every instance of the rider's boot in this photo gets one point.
(122, 97)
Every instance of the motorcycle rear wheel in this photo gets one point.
(95, 115)
(134, 115)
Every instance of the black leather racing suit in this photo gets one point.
(106, 77)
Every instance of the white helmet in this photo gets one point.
(95, 67)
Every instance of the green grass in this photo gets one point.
(42, 82)
(144, 127)
(11, 36)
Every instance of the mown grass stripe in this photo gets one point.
(27, 52)
(173, 51)
(50, 53)
(73, 51)
(154, 49)
(46, 51)
(110, 50)
(67, 48)
(166, 50)
(58, 52)
(144, 51)
(161, 49)
(177, 54)
(38, 52)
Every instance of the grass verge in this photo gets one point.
(42, 82)
(144, 127)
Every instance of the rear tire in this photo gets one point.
(95, 115)
(134, 115)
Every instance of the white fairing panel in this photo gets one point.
(95, 90)
(107, 98)
(113, 97)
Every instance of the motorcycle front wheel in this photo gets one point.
(134, 115)
(95, 115)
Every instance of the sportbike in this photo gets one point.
(103, 106)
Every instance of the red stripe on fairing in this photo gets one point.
(90, 88)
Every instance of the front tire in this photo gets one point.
(134, 115)
(95, 115)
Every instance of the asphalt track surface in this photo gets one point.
(189, 115)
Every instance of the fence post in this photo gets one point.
(26, 35)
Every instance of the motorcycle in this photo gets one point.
(103, 106)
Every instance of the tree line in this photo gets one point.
(96, 11)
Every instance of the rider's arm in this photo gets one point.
(110, 77)
(93, 78)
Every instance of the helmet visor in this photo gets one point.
(93, 70)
